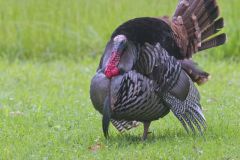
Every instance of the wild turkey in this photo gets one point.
(134, 97)
(155, 53)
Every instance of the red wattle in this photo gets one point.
(111, 72)
(111, 68)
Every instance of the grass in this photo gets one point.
(49, 50)
(46, 114)
(46, 30)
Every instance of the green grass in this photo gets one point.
(46, 113)
(46, 30)
(49, 50)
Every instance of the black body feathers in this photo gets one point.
(156, 73)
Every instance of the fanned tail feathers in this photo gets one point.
(213, 42)
(212, 29)
(197, 21)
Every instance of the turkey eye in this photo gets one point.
(123, 42)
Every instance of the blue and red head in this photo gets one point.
(119, 44)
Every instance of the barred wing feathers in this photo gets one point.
(188, 111)
(176, 88)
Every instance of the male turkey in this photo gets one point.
(145, 69)
(131, 97)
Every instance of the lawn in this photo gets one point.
(46, 113)
(46, 30)
(49, 50)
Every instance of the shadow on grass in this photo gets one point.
(166, 136)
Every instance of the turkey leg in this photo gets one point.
(145, 132)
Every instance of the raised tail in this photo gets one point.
(196, 24)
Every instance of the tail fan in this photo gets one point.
(213, 42)
(213, 28)
(194, 22)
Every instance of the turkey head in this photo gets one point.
(119, 45)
